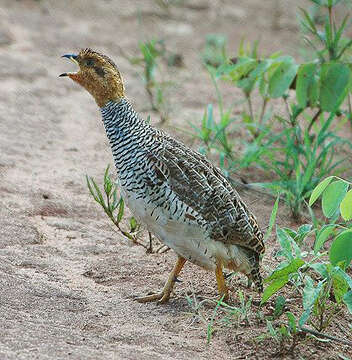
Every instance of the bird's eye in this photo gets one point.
(90, 62)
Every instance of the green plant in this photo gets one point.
(114, 207)
(214, 52)
(238, 315)
(214, 134)
(336, 199)
(300, 161)
(286, 336)
(298, 267)
(152, 52)
(302, 149)
(222, 314)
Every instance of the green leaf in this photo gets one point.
(334, 81)
(346, 206)
(305, 79)
(322, 236)
(319, 189)
(308, 292)
(121, 210)
(273, 288)
(340, 31)
(339, 285)
(272, 218)
(341, 248)
(283, 330)
(279, 306)
(320, 268)
(285, 243)
(250, 125)
(282, 78)
(286, 239)
(279, 278)
(344, 275)
(310, 295)
(309, 22)
(332, 197)
(133, 224)
(291, 321)
(347, 299)
(314, 91)
(107, 180)
(91, 189)
(304, 317)
(272, 331)
(302, 233)
(98, 197)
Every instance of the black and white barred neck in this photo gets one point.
(121, 120)
(131, 139)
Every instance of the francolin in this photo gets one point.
(182, 198)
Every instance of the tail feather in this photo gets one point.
(254, 274)
(256, 277)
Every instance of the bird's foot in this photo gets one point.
(160, 298)
(163, 296)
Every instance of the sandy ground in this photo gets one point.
(67, 279)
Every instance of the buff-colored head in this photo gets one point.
(98, 75)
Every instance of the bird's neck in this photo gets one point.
(126, 131)
(120, 119)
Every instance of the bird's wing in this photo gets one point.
(202, 187)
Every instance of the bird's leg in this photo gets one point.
(150, 248)
(223, 290)
(164, 295)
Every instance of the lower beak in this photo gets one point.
(73, 58)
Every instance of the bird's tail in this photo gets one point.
(254, 274)
(256, 277)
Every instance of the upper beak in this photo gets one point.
(73, 58)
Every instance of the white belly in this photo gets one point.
(186, 238)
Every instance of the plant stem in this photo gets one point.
(349, 109)
(151, 96)
(314, 118)
(150, 248)
(250, 107)
(316, 333)
(330, 48)
(262, 113)
(292, 120)
(218, 93)
(330, 19)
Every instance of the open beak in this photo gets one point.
(73, 58)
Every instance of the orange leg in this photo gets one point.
(164, 295)
(223, 290)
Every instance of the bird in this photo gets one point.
(176, 192)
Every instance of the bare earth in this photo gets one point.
(67, 278)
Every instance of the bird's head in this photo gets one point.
(98, 74)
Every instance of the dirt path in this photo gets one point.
(66, 277)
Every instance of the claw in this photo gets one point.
(160, 298)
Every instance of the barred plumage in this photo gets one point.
(176, 192)
(165, 182)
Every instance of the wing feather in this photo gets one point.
(202, 187)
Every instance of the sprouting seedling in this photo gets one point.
(151, 51)
(114, 207)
